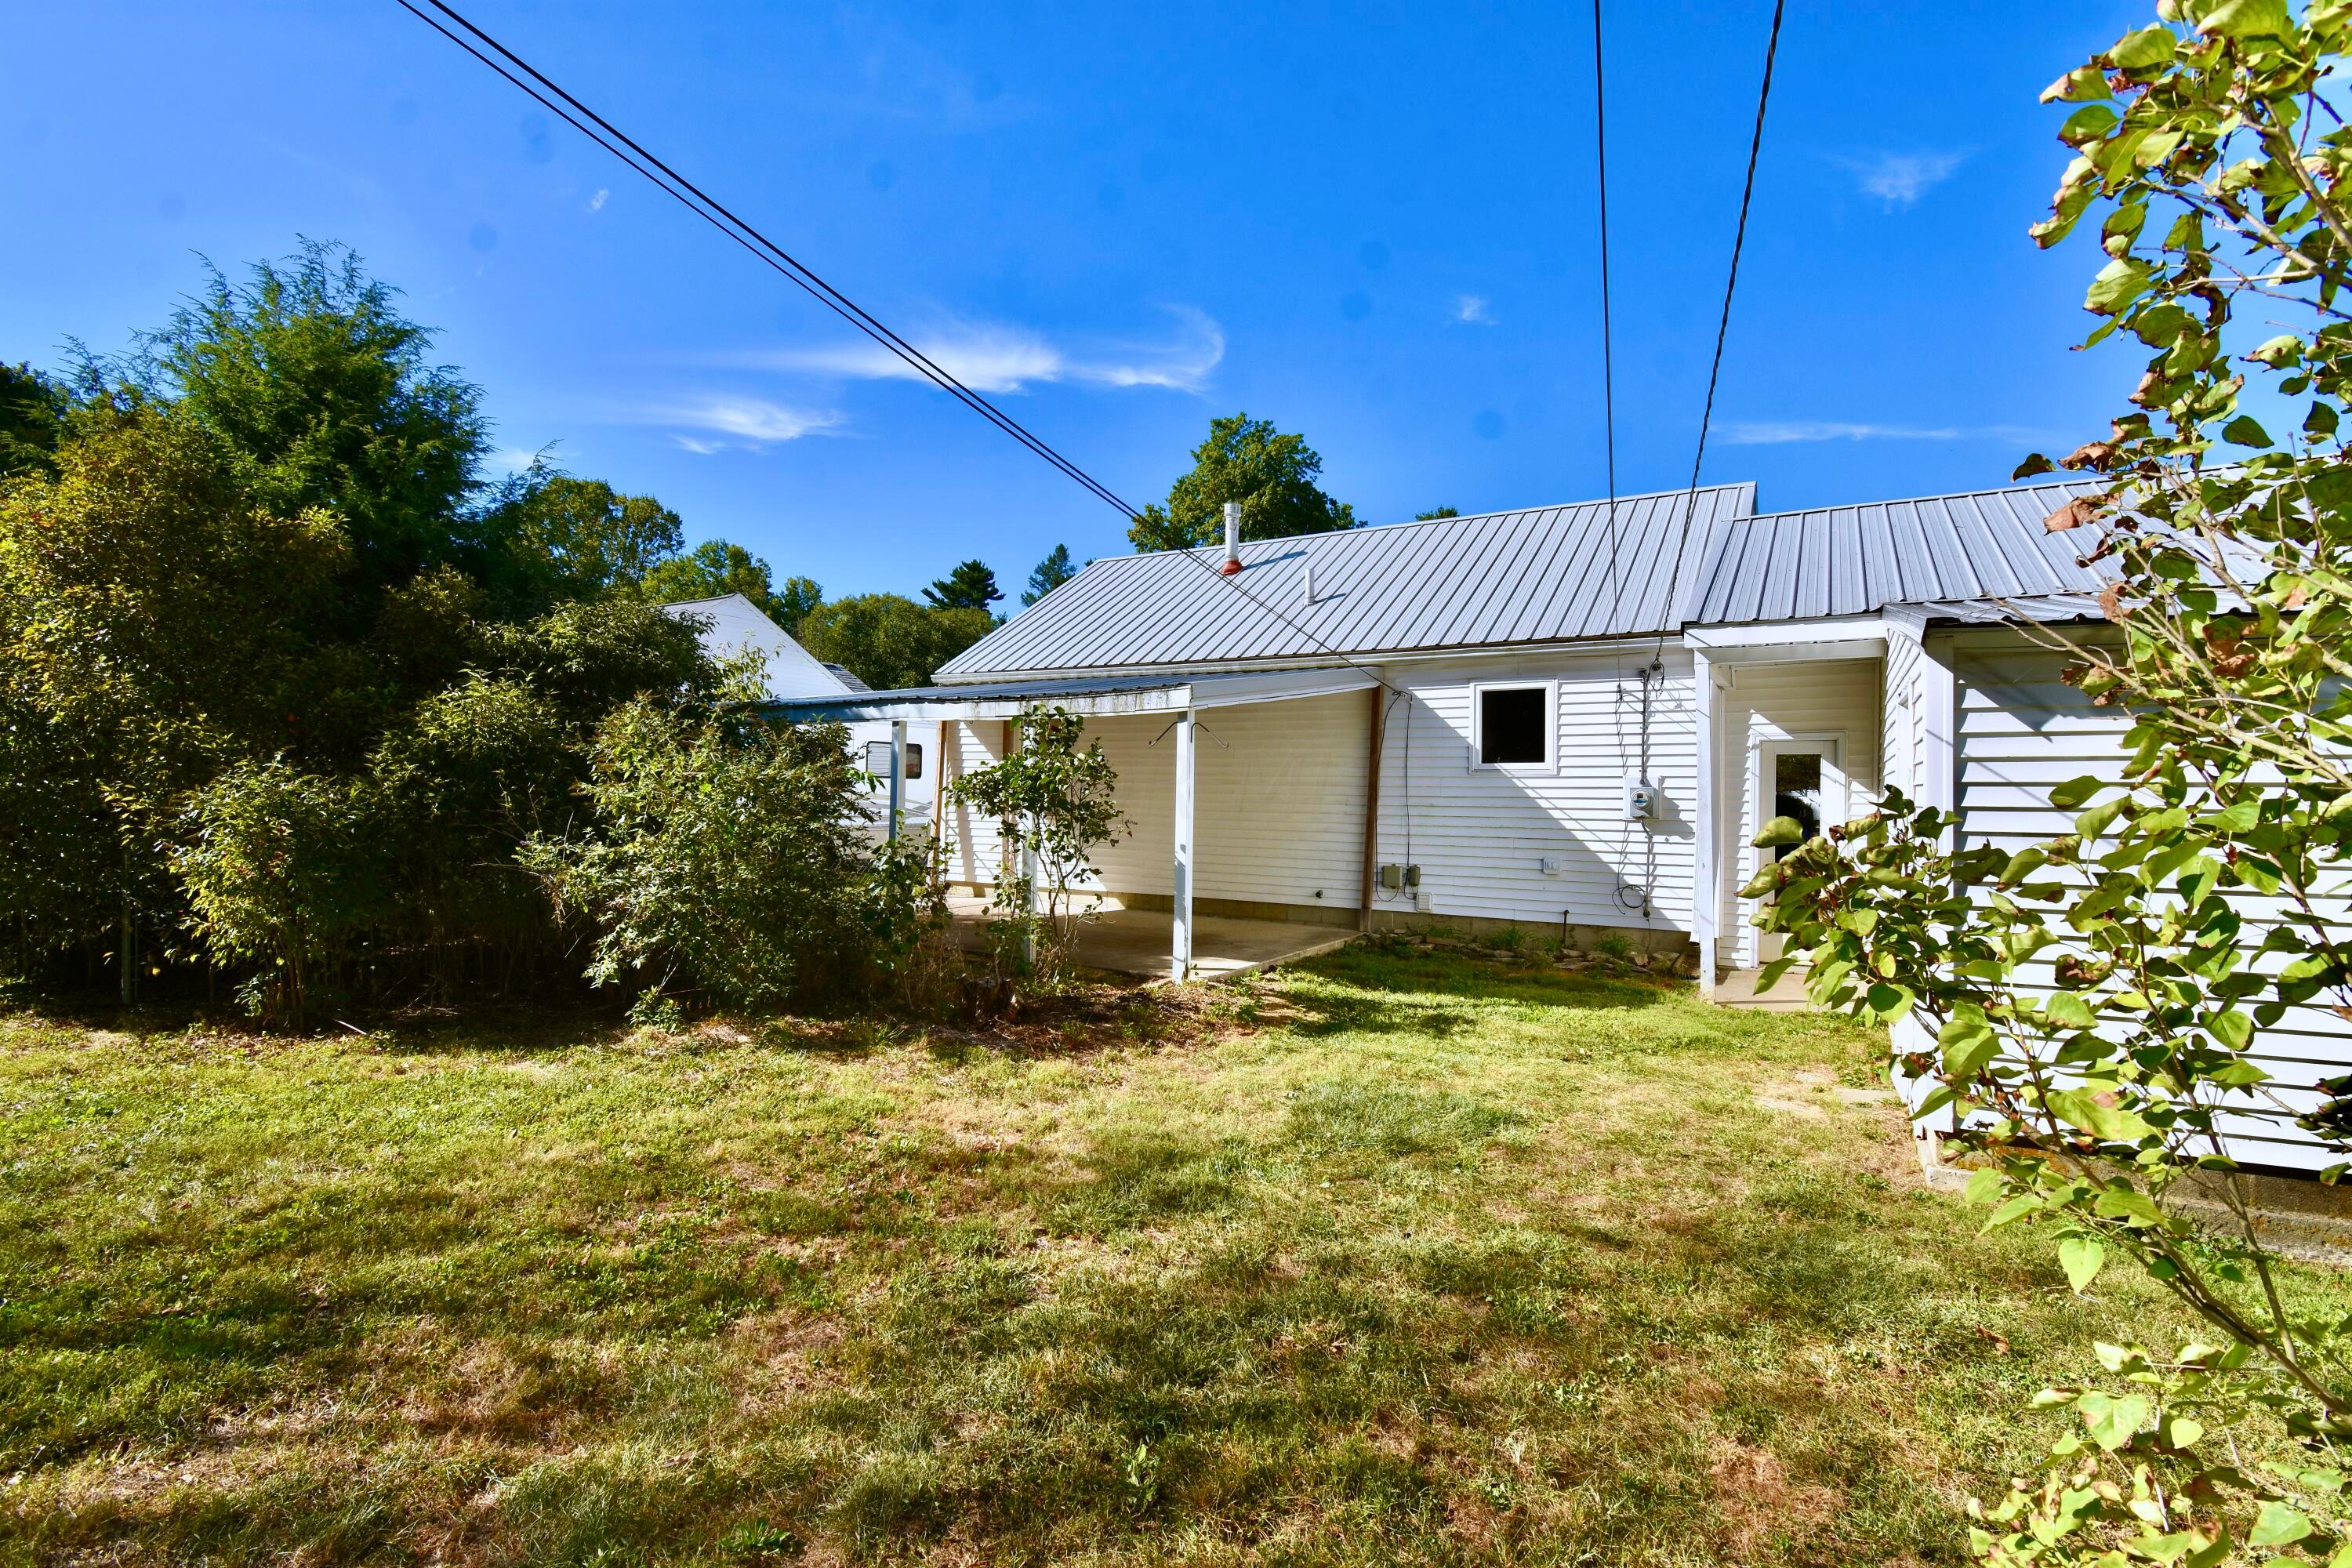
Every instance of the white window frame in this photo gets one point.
(1549, 766)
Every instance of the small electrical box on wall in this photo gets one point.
(1641, 800)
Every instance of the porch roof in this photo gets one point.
(1098, 695)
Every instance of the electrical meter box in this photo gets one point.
(1641, 800)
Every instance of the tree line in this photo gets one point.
(296, 695)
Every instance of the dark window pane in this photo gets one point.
(914, 759)
(1511, 725)
(1797, 789)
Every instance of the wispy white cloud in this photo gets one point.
(995, 358)
(716, 422)
(1785, 432)
(1472, 310)
(1899, 179)
(596, 202)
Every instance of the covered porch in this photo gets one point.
(1249, 800)
(1803, 719)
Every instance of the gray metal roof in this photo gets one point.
(1855, 560)
(1503, 577)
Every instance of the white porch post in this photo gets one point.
(1707, 881)
(1939, 711)
(1181, 955)
(1032, 896)
(897, 774)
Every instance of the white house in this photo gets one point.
(731, 624)
(1574, 717)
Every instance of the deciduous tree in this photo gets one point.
(887, 640)
(1247, 460)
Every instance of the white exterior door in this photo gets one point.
(1799, 776)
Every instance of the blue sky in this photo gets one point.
(1371, 223)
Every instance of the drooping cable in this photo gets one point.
(1723, 323)
(1608, 362)
(589, 123)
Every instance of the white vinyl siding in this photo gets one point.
(1279, 809)
(1480, 834)
(2020, 729)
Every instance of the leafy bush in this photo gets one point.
(281, 869)
(723, 855)
(2104, 1004)
(1058, 800)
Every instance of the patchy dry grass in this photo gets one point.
(1399, 1257)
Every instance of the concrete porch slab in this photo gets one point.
(1137, 941)
(1736, 988)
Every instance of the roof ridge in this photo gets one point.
(1362, 529)
(2012, 489)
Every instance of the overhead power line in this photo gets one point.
(605, 134)
(1608, 360)
(1723, 323)
(686, 193)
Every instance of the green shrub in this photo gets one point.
(722, 856)
(281, 869)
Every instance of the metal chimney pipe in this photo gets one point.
(1233, 538)
(1310, 581)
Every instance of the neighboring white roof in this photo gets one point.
(1545, 575)
(731, 623)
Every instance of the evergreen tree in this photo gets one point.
(1050, 573)
(970, 586)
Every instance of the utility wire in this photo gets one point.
(1723, 325)
(1607, 362)
(699, 202)
(589, 123)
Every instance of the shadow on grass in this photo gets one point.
(1384, 968)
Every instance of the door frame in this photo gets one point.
(1837, 803)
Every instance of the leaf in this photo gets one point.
(1984, 1185)
(1968, 1042)
(2279, 1524)
(2128, 1203)
(2087, 1109)
(2074, 514)
(2246, 19)
(2285, 350)
(2234, 1030)
(2077, 790)
(2245, 431)
(2081, 1258)
(2088, 123)
(1779, 833)
(2112, 1421)
(2120, 282)
(2068, 1010)
(2183, 1431)
(2151, 46)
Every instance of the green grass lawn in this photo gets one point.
(1399, 1257)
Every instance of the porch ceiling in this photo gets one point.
(1092, 695)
